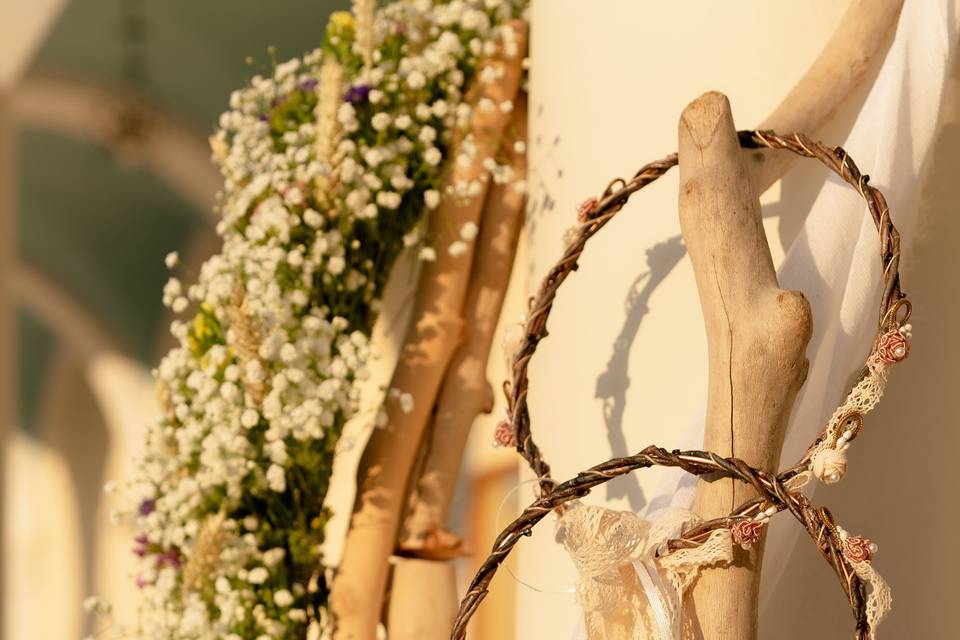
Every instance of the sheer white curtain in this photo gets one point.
(627, 349)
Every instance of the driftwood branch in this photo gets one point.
(756, 337)
(862, 35)
(428, 548)
(387, 461)
(423, 599)
(466, 393)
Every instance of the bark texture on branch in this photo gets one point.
(464, 395)
(756, 337)
(862, 35)
(423, 599)
(357, 591)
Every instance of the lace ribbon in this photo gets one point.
(879, 598)
(626, 591)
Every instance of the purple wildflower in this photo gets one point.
(169, 558)
(147, 506)
(141, 549)
(308, 85)
(357, 93)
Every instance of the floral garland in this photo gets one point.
(331, 167)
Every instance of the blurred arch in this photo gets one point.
(125, 123)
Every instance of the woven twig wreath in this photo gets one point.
(776, 493)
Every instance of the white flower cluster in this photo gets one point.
(330, 166)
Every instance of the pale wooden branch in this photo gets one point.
(387, 461)
(863, 34)
(423, 599)
(464, 395)
(756, 337)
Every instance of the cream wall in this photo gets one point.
(609, 80)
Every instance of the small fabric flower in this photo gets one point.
(829, 465)
(858, 549)
(586, 209)
(503, 435)
(747, 532)
(893, 346)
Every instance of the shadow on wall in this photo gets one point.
(798, 190)
(613, 383)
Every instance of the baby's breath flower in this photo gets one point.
(276, 478)
(432, 156)
(457, 248)
(380, 121)
(416, 80)
(427, 135)
(258, 575)
(469, 231)
(331, 164)
(406, 402)
(283, 598)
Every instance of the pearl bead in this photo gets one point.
(873, 547)
(847, 435)
(770, 511)
(834, 477)
(899, 351)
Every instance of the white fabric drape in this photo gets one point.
(834, 260)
